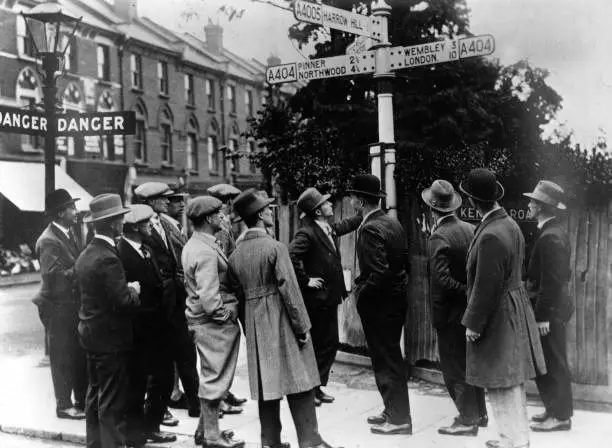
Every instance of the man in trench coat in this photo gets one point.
(503, 344)
(280, 355)
(547, 276)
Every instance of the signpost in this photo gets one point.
(336, 18)
(448, 50)
(359, 45)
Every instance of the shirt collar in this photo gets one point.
(105, 238)
(543, 223)
(486, 215)
(62, 228)
(325, 226)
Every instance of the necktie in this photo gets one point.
(73, 238)
(159, 229)
(328, 232)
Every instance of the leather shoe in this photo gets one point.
(493, 444)
(229, 409)
(483, 421)
(552, 424)
(388, 428)
(181, 403)
(377, 419)
(539, 418)
(169, 420)
(323, 397)
(70, 414)
(225, 440)
(233, 400)
(459, 429)
(160, 437)
(324, 444)
(318, 402)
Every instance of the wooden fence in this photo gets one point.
(589, 330)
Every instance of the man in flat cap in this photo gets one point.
(106, 327)
(447, 247)
(503, 344)
(280, 356)
(548, 274)
(152, 358)
(166, 246)
(315, 254)
(57, 249)
(212, 315)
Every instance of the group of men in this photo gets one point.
(497, 327)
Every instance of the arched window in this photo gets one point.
(234, 146)
(139, 140)
(105, 146)
(212, 147)
(166, 127)
(193, 130)
(25, 46)
(29, 93)
(72, 100)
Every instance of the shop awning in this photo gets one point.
(23, 183)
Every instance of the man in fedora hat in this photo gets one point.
(280, 356)
(167, 242)
(503, 344)
(151, 359)
(447, 248)
(315, 254)
(106, 328)
(548, 274)
(57, 249)
(380, 290)
(212, 316)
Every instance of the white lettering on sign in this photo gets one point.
(281, 73)
(450, 50)
(308, 12)
(336, 18)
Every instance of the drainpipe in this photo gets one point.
(120, 52)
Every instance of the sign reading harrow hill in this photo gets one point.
(19, 121)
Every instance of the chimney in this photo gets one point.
(273, 60)
(126, 9)
(214, 37)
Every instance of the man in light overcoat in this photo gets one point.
(280, 355)
(503, 344)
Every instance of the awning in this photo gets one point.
(23, 183)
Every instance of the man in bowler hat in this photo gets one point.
(280, 356)
(380, 290)
(548, 274)
(315, 254)
(57, 249)
(503, 344)
(447, 248)
(106, 327)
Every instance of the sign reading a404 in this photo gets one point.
(448, 50)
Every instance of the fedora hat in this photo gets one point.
(264, 195)
(57, 200)
(310, 200)
(549, 193)
(482, 185)
(367, 185)
(105, 206)
(249, 202)
(442, 196)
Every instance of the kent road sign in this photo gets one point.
(336, 18)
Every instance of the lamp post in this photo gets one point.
(47, 26)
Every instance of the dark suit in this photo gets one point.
(107, 334)
(152, 353)
(314, 255)
(547, 277)
(60, 299)
(382, 305)
(448, 246)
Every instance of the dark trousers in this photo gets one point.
(470, 400)
(66, 356)
(325, 339)
(383, 322)
(555, 387)
(304, 418)
(107, 399)
(185, 356)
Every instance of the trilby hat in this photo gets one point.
(442, 196)
(250, 202)
(549, 193)
(310, 200)
(105, 206)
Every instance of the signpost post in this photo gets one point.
(382, 60)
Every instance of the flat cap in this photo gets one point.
(203, 206)
(224, 191)
(151, 190)
(138, 213)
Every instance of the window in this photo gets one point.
(103, 62)
(25, 46)
(189, 91)
(251, 152)
(136, 67)
(29, 93)
(248, 101)
(192, 145)
(166, 138)
(210, 94)
(140, 136)
(231, 96)
(233, 149)
(71, 62)
(162, 75)
(212, 148)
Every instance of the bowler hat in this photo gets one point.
(482, 185)
(442, 196)
(203, 206)
(138, 213)
(310, 200)
(223, 191)
(57, 200)
(105, 206)
(367, 185)
(249, 202)
(549, 193)
(152, 190)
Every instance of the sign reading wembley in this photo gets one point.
(20, 121)
(449, 50)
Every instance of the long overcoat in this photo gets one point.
(508, 352)
(273, 316)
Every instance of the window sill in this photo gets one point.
(214, 173)
(167, 166)
(105, 82)
(164, 96)
(137, 89)
(25, 57)
(211, 111)
(71, 74)
(30, 150)
(140, 164)
(193, 172)
(233, 114)
(190, 106)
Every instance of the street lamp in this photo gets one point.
(47, 26)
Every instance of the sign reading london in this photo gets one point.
(21, 121)
(336, 18)
(449, 50)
